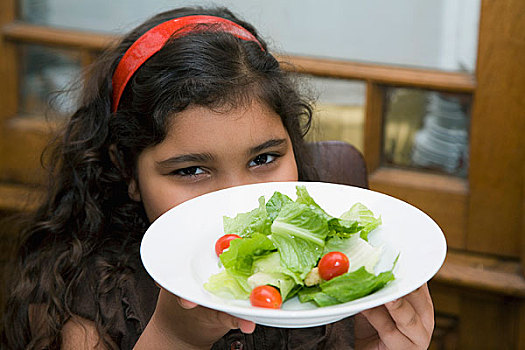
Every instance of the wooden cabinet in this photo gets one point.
(479, 293)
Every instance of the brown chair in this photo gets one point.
(338, 162)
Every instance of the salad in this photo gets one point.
(286, 248)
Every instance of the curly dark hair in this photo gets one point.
(88, 229)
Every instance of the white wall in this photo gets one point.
(438, 34)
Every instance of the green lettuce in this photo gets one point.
(362, 253)
(343, 228)
(301, 221)
(245, 224)
(303, 197)
(346, 287)
(269, 271)
(274, 205)
(299, 234)
(365, 218)
(242, 253)
(283, 241)
(225, 285)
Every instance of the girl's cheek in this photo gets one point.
(163, 198)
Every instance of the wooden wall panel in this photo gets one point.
(521, 326)
(443, 198)
(522, 246)
(497, 131)
(373, 126)
(23, 141)
(8, 68)
(487, 322)
(476, 319)
(8, 73)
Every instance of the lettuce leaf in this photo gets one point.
(299, 220)
(227, 286)
(241, 254)
(365, 218)
(299, 234)
(343, 228)
(268, 271)
(245, 224)
(357, 284)
(297, 255)
(304, 197)
(359, 252)
(274, 205)
(272, 263)
(316, 295)
(346, 287)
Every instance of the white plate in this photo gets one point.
(178, 249)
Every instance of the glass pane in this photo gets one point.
(45, 75)
(339, 112)
(440, 34)
(426, 130)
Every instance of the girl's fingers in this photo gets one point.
(234, 323)
(422, 303)
(408, 322)
(194, 324)
(363, 328)
(246, 326)
(221, 317)
(387, 329)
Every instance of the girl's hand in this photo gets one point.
(181, 324)
(406, 323)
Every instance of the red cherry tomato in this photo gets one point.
(332, 265)
(266, 296)
(224, 243)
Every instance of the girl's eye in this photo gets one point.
(189, 171)
(262, 159)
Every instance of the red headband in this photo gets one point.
(154, 39)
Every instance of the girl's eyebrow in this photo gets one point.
(207, 157)
(267, 144)
(185, 158)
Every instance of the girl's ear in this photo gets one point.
(133, 188)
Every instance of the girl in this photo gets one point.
(187, 103)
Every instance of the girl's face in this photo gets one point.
(207, 150)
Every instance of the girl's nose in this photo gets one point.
(237, 179)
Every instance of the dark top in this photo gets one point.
(132, 306)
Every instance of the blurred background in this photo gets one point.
(431, 92)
